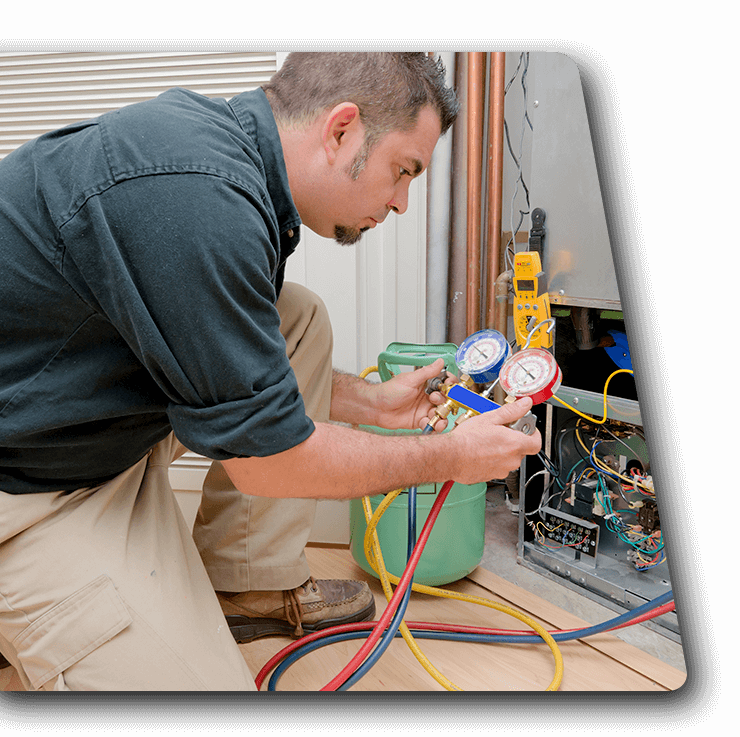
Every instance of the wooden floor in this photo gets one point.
(601, 663)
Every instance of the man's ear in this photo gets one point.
(342, 123)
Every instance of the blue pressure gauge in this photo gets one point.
(482, 354)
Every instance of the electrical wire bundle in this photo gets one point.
(632, 489)
(647, 548)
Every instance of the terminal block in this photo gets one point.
(571, 532)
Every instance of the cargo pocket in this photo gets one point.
(71, 630)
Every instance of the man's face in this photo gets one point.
(371, 186)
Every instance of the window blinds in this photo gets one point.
(42, 91)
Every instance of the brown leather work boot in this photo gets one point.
(313, 606)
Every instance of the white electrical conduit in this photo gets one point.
(439, 197)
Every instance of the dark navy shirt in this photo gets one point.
(141, 256)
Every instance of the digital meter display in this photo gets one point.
(482, 354)
(532, 372)
(525, 285)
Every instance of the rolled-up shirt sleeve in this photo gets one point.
(185, 267)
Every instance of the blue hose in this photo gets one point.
(397, 620)
(471, 637)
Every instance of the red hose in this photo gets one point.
(433, 627)
(403, 584)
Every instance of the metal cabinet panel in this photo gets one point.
(577, 254)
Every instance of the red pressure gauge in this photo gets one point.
(532, 372)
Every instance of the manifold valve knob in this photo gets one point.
(436, 384)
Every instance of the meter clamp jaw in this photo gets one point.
(537, 231)
(531, 300)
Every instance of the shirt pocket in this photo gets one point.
(71, 630)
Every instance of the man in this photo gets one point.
(141, 263)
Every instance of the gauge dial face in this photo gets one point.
(482, 354)
(532, 372)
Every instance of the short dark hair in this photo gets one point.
(389, 88)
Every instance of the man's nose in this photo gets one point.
(400, 202)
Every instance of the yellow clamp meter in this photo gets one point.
(531, 300)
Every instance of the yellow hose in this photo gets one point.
(374, 557)
(371, 542)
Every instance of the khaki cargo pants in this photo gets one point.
(106, 589)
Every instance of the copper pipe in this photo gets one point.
(457, 289)
(495, 176)
(476, 101)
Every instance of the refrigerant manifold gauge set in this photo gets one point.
(485, 358)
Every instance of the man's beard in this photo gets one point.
(347, 236)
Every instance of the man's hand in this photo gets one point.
(402, 403)
(487, 448)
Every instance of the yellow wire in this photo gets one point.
(606, 386)
(374, 557)
(606, 468)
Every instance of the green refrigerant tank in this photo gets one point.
(456, 544)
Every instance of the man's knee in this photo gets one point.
(304, 319)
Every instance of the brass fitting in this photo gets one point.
(443, 410)
(470, 413)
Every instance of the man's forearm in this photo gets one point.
(351, 400)
(338, 462)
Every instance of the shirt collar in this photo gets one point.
(254, 114)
